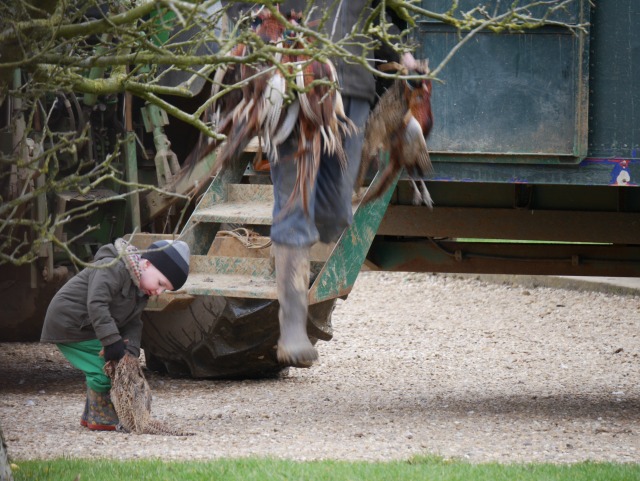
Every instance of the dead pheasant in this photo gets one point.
(316, 113)
(131, 397)
(399, 125)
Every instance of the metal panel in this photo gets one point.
(614, 124)
(504, 258)
(569, 13)
(518, 97)
(614, 227)
(588, 172)
(340, 271)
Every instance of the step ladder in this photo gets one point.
(222, 266)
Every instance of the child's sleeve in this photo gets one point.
(132, 332)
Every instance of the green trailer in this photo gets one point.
(536, 142)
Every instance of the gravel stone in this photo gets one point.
(419, 364)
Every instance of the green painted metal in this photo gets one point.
(198, 234)
(164, 20)
(243, 277)
(341, 269)
(589, 172)
(509, 97)
(614, 129)
(166, 161)
(131, 175)
(245, 204)
(223, 265)
(505, 92)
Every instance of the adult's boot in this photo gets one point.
(292, 280)
(101, 415)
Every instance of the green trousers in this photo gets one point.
(85, 355)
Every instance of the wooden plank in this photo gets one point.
(229, 246)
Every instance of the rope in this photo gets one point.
(245, 236)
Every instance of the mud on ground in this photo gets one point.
(420, 364)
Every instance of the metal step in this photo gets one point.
(228, 268)
(247, 204)
(250, 204)
(247, 277)
(231, 277)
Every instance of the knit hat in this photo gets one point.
(172, 259)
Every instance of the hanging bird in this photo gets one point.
(239, 113)
(399, 125)
(315, 114)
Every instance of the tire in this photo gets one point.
(219, 338)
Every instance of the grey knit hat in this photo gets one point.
(172, 259)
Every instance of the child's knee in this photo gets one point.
(99, 383)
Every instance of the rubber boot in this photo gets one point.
(85, 413)
(101, 415)
(292, 280)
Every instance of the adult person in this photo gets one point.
(295, 229)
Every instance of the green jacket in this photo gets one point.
(97, 303)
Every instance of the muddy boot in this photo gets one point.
(292, 279)
(101, 415)
(85, 413)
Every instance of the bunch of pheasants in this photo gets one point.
(266, 107)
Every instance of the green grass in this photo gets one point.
(418, 468)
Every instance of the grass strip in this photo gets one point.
(420, 468)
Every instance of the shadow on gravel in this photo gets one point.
(579, 405)
(25, 367)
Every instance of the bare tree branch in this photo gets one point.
(67, 68)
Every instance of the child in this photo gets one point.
(99, 310)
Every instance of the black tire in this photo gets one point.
(218, 337)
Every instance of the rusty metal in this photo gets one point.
(568, 226)
(506, 258)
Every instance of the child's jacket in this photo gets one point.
(102, 303)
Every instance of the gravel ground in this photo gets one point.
(420, 364)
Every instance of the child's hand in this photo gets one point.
(115, 351)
